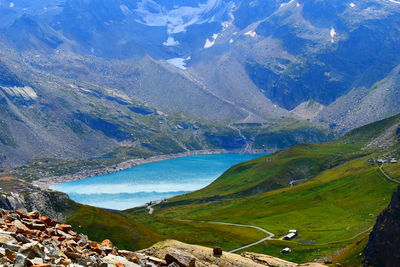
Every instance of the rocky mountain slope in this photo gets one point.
(221, 59)
(75, 74)
(303, 51)
(47, 116)
(384, 243)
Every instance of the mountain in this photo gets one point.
(306, 65)
(240, 60)
(337, 54)
(52, 116)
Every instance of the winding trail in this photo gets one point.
(269, 237)
(151, 205)
(387, 175)
(384, 173)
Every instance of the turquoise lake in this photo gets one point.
(151, 181)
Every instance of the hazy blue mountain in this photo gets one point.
(333, 63)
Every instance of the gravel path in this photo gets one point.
(269, 237)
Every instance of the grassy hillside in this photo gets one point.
(276, 171)
(297, 163)
(334, 204)
(134, 234)
(331, 211)
(99, 224)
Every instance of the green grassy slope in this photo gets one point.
(99, 224)
(333, 209)
(135, 234)
(300, 162)
(333, 206)
(330, 211)
(276, 171)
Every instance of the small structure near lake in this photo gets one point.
(286, 250)
(292, 234)
(381, 161)
(289, 236)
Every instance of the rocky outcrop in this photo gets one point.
(186, 255)
(383, 248)
(12, 201)
(54, 204)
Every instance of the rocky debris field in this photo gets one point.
(29, 239)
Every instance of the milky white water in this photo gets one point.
(152, 181)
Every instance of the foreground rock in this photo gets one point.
(383, 248)
(28, 239)
(197, 256)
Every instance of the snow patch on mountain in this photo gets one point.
(178, 62)
(333, 34)
(178, 18)
(125, 10)
(251, 33)
(288, 3)
(171, 42)
(211, 42)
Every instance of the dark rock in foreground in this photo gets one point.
(383, 248)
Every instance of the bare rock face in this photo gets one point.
(383, 248)
(12, 201)
(54, 204)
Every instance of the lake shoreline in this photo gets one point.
(47, 182)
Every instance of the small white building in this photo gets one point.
(393, 161)
(289, 236)
(286, 250)
(293, 231)
(381, 161)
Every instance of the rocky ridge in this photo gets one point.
(29, 239)
(54, 204)
(383, 248)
